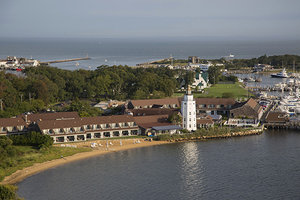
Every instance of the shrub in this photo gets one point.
(8, 192)
(32, 139)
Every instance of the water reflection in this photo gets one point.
(192, 168)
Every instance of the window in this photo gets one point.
(190, 113)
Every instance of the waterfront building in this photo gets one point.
(214, 106)
(156, 124)
(86, 128)
(204, 121)
(244, 114)
(188, 111)
(154, 103)
(9, 126)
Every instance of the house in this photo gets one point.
(262, 67)
(154, 103)
(201, 80)
(82, 129)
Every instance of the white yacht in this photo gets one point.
(281, 74)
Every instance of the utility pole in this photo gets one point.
(30, 97)
(1, 106)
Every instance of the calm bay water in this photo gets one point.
(263, 166)
(133, 51)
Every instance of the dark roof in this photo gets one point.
(165, 128)
(150, 102)
(277, 117)
(152, 120)
(215, 101)
(4, 122)
(205, 121)
(51, 116)
(50, 124)
(152, 111)
(249, 108)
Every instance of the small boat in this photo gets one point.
(281, 74)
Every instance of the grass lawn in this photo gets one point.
(28, 155)
(218, 90)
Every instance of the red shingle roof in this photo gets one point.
(4, 122)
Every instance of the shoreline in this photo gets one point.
(127, 144)
(36, 168)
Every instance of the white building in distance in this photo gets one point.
(188, 111)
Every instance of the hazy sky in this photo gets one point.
(275, 19)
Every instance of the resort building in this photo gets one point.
(87, 128)
(245, 114)
(156, 124)
(188, 111)
(10, 126)
(154, 103)
(214, 106)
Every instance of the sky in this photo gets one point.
(231, 19)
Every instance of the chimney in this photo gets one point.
(26, 120)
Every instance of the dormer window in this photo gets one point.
(15, 128)
(98, 126)
(89, 127)
(61, 130)
(117, 125)
(4, 129)
(107, 126)
(51, 131)
(81, 129)
(72, 130)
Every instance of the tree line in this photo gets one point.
(45, 85)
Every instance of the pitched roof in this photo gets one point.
(249, 108)
(51, 116)
(78, 122)
(152, 111)
(152, 120)
(205, 121)
(4, 122)
(150, 102)
(215, 101)
(277, 117)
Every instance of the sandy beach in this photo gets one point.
(100, 147)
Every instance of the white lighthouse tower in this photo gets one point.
(188, 111)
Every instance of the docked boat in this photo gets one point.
(281, 74)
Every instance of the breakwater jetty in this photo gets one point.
(64, 60)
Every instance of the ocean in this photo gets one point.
(133, 51)
(263, 166)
